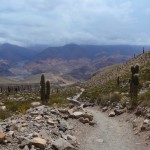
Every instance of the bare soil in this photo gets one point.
(109, 133)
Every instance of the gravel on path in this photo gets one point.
(109, 134)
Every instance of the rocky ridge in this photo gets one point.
(42, 127)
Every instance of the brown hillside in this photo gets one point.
(112, 72)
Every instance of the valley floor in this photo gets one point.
(109, 134)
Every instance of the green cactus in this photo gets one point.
(118, 80)
(143, 50)
(132, 70)
(135, 85)
(47, 90)
(42, 90)
(136, 68)
(136, 79)
(134, 82)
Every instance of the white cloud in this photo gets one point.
(58, 22)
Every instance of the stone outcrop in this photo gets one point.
(42, 127)
(38, 142)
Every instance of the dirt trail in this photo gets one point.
(110, 134)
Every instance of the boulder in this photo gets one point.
(23, 141)
(104, 109)
(3, 108)
(38, 142)
(61, 144)
(78, 114)
(148, 115)
(8, 138)
(35, 134)
(119, 111)
(70, 137)
(146, 121)
(85, 115)
(70, 111)
(51, 122)
(88, 115)
(43, 133)
(11, 133)
(34, 113)
(2, 136)
(84, 120)
(55, 111)
(88, 105)
(62, 127)
(13, 128)
(64, 111)
(112, 114)
(92, 123)
(26, 148)
(35, 104)
(38, 117)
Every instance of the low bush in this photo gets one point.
(19, 106)
(4, 114)
(115, 97)
(144, 99)
(60, 99)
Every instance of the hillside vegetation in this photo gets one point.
(103, 87)
(18, 102)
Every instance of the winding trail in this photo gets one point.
(110, 134)
(74, 99)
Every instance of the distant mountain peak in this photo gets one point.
(14, 53)
(8, 45)
(71, 44)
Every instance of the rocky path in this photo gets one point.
(50, 128)
(110, 134)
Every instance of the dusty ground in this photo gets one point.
(109, 134)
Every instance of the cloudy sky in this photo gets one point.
(58, 22)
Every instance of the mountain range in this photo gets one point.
(69, 62)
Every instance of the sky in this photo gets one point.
(59, 22)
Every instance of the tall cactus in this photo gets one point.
(42, 90)
(136, 79)
(132, 70)
(135, 85)
(134, 82)
(118, 80)
(47, 90)
(136, 69)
